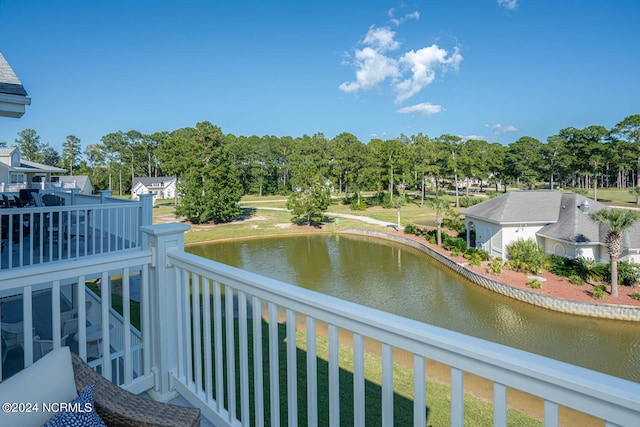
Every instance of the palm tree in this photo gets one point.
(441, 206)
(618, 221)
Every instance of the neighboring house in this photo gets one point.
(13, 96)
(81, 182)
(17, 173)
(162, 187)
(559, 222)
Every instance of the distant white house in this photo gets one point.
(559, 222)
(82, 182)
(162, 187)
(17, 173)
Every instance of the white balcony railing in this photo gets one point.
(218, 334)
(85, 225)
(209, 298)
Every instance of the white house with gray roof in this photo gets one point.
(559, 222)
(17, 173)
(13, 96)
(162, 187)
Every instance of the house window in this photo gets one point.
(17, 178)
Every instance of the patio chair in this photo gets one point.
(118, 407)
(70, 326)
(12, 337)
(42, 346)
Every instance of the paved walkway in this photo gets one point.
(338, 215)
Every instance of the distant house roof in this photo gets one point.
(27, 166)
(156, 182)
(574, 224)
(564, 214)
(13, 96)
(519, 207)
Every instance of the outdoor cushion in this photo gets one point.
(49, 380)
(81, 413)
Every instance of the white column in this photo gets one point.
(163, 332)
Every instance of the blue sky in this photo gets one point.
(495, 69)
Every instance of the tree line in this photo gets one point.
(216, 169)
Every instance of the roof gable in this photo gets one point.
(154, 182)
(574, 224)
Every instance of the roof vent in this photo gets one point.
(584, 206)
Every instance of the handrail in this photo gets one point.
(34, 275)
(597, 394)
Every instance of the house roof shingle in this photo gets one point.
(159, 181)
(9, 82)
(574, 224)
(519, 207)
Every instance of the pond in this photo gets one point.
(404, 281)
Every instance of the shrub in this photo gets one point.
(454, 221)
(456, 244)
(628, 273)
(466, 202)
(635, 295)
(590, 269)
(476, 256)
(576, 280)
(527, 255)
(561, 266)
(355, 206)
(480, 253)
(410, 229)
(496, 266)
(534, 284)
(599, 291)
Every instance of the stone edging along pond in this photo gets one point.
(591, 309)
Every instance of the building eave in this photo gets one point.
(13, 105)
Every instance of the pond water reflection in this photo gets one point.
(404, 281)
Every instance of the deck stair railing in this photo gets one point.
(119, 350)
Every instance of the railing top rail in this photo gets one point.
(552, 379)
(65, 208)
(62, 270)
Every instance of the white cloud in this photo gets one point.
(374, 68)
(500, 130)
(399, 21)
(508, 4)
(423, 109)
(473, 137)
(381, 39)
(423, 64)
(408, 72)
